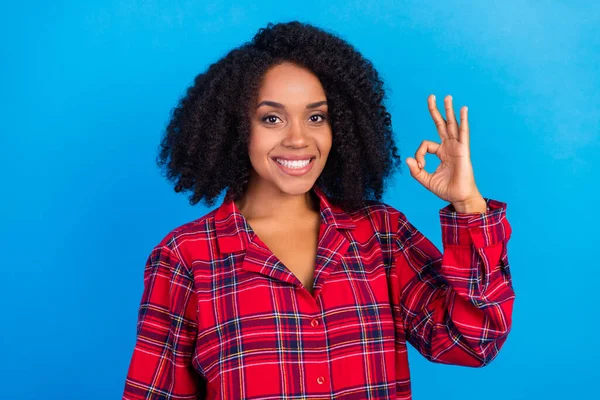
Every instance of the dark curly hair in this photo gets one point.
(204, 149)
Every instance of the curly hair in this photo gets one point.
(204, 149)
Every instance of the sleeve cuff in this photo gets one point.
(479, 229)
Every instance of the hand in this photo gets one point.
(453, 180)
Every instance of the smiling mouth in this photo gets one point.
(295, 168)
(293, 164)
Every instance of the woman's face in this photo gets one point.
(290, 126)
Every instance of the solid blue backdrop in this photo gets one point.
(86, 89)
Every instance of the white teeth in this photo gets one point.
(293, 164)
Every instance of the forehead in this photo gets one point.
(292, 82)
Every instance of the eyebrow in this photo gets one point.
(279, 105)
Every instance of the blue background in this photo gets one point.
(86, 89)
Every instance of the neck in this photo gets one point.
(262, 201)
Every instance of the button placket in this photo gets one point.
(321, 377)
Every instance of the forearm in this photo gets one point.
(458, 305)
(456, 312)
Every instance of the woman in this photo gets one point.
(302, 283)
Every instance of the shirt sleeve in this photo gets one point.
(161, 364)
(455, 307)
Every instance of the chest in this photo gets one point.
(248, 306)
(295, 247)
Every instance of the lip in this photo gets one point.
(296, 172)
(294, 157)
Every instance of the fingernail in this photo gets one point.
(434, 97)
(419, 163)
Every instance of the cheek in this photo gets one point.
(258, 149)
(325, 144)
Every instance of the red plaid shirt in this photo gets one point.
(222, 318)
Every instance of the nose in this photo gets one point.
(295, 135)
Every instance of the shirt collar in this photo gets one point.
(233, 231)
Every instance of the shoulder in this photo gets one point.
(380, 209)
(190, 239)
(191, 230)
(382, 217)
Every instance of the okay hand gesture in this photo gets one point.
(453, 180)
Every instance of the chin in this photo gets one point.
(295, 189)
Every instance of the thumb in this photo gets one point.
(415, 171)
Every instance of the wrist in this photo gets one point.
(473, 205)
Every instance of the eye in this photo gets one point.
(269, 119)
(323, 117)
(272, 119)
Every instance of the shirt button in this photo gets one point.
(320, 380)
(314, 323)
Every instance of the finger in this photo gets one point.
(463, 132)
(439, 121)
(427, 146)
(422, 176)
(452, 124)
